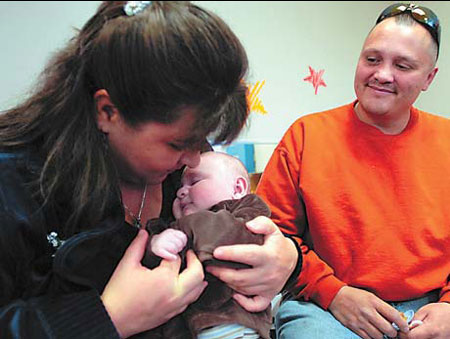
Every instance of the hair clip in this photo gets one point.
(134, 7)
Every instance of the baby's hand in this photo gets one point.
(168, 243)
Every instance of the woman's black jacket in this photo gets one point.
(32, 259)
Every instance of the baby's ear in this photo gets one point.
(240, 188)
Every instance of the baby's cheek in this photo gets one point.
(206, 198)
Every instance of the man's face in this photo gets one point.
(395, 65)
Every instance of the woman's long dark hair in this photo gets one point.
(170, 55)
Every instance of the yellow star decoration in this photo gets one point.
(254, 102)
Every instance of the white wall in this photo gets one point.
(30, 32)
(282, 39)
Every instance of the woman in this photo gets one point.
(127, 103)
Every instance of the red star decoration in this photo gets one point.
(315, 78)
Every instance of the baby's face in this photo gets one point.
(202, 187)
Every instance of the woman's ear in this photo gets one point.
(240, 188)
(107, 113)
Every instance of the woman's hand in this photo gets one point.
(138, 299)
(272, 264)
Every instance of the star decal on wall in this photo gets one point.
(254, 102)
(315, 78)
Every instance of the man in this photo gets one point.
(364, 189)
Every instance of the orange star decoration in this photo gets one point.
(315, 78)
(254, 102)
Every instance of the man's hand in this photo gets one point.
(366, 314)
(436, 322)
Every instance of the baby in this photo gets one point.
(218, 177)
(212, 206)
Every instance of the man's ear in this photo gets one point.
(430, 78)
(240, 188)
(107, 113)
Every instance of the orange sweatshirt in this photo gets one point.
(369, 210)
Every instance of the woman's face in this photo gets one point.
(150, 151)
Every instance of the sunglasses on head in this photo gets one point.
(420, 14)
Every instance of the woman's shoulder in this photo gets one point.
(21, 160)
(18, 172)
(20, 212)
